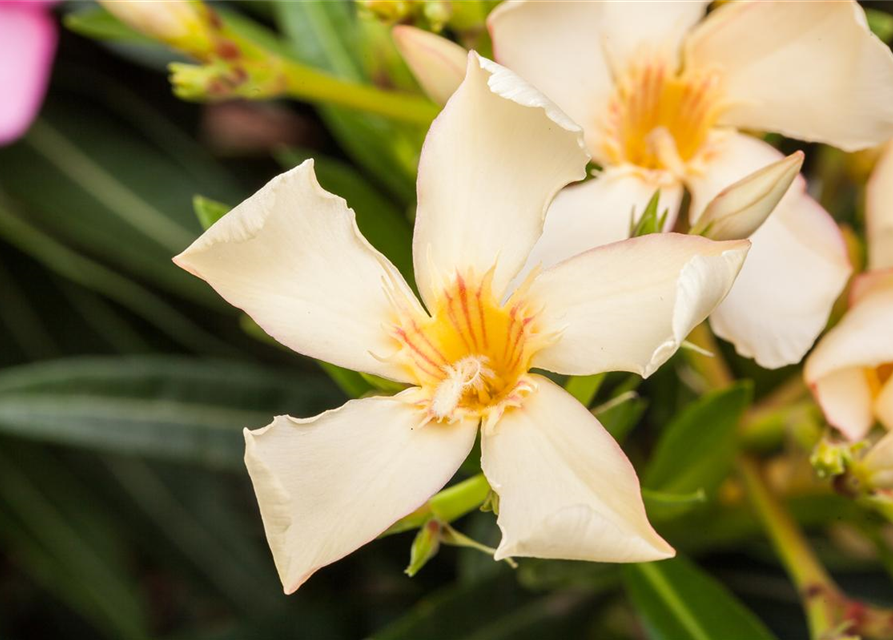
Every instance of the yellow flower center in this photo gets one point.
(658, 118)
(878, 377)
(471, 356)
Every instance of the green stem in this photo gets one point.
(713, 369)
(821, 598)
(305, 83)
(450, 504)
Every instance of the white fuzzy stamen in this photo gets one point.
(468, 373)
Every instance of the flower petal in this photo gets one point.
(835, 370)
(879, 212)
(328, 485)
(883, 405)
(879, 463)
(599, 212)
(796, 270)
(491, 164)
(845, 399)
(291, 256)
(566, 489)
(628, 306)
(27, 45)
(568, 49)
(776, 57)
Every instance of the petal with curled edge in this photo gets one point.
(628, 306)
(809, 70)
(328, 485)
(492, 162)
(572, 50)
(291, 257)
(797, 268)
(566, 489)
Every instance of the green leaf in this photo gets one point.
(166, 407)
(53, 530)
(323, 34)
(424, 546)
(620, 414)
(678, 601)
(584, 388)
(208, 211)
(697, 448)
(650, 221)
(880, 23)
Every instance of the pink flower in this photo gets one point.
(27, 44)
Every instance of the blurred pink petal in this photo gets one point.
(27, 44)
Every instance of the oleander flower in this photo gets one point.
(850, 371)
(27, 46)
(662, 92)
(292, 257)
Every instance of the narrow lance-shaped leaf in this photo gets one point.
(678, 601)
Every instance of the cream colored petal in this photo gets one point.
(491, 164)
(869, 282)
(566, 489)
(437, 63)
(628, 306)
(883, 405)
(879, 212)
(599, 212)
(845, 399)
(291, 256)
(879, 462)
(567, 49)
(328, 485)
(742, 207)
(809, 70)
(836, 369)
(797, 267)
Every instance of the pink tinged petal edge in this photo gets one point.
(27, 46)
(330, 484)
(566, 489)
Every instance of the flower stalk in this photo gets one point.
(830, 613)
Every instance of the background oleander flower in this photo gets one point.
(662, 102)
(27, 46)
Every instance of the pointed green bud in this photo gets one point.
(424, 547)
(740, 209)
(650, 221)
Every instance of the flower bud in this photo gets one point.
(425, 546)
(437, 63)
(740, 209)
(183, 24)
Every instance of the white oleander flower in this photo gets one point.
(292, 257)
